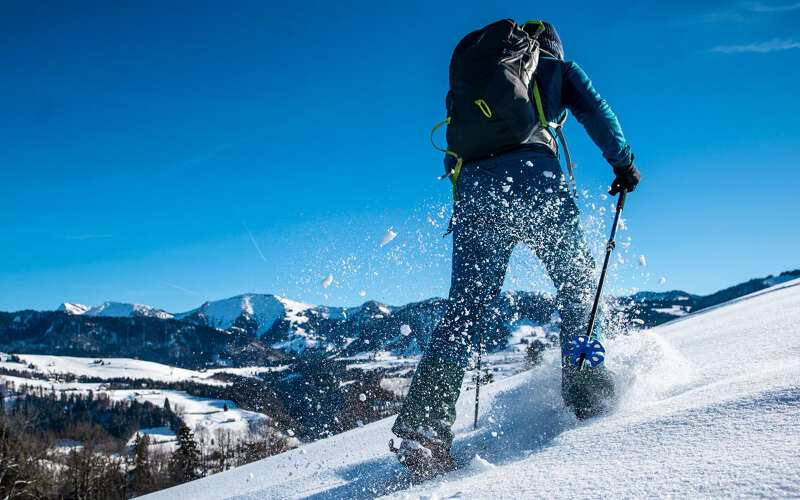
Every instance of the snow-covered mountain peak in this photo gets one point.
(263, 309)
(123, 310)
(73, 308)
(115, 310)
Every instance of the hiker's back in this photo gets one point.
(519, 98)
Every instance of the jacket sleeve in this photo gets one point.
(596, 116)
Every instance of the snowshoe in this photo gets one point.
(589, 393)
(426, 460)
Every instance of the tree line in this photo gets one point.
(75, 446)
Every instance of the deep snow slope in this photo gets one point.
(708, 407)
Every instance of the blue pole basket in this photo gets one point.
(592, 350)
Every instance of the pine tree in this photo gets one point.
(185, 463)
(142, 471)
(166, 404)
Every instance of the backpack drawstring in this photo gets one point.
(453, 174)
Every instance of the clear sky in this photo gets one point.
(170, 152)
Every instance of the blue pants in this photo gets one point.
(512, 198)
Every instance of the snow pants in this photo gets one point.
(511, 198)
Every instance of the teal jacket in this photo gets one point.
(563, 86)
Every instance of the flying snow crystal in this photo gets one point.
(661, 281)
(548, 174)
(290, 432)
(389, 236)
(603, 196)
(327, 281)
(362, 293)
(250, 477)
(528, 163)
(362, 397)
(642, 261)
(405, 330)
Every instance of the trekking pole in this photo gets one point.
(478, 383)
(584, 348)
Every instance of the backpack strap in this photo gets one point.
(557, 126)
(539, 109)
(560, 132)
(453, 174)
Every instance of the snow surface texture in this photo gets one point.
(708, 407)
(108, 368)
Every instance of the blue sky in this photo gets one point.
(172, 152)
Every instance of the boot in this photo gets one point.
(423, 458)
(587, 392)
(430, 406)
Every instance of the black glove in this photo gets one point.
(627, 179)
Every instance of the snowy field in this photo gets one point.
(202, 415)
(708, 407)
(110, 368)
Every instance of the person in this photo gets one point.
(504, 199)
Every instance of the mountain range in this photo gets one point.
(262, 328)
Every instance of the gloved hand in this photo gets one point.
(627, 179)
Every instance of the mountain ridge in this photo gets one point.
(255, 327)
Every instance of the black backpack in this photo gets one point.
(490, 103)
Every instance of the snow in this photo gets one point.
(157, 435)
(389, 236)
(72, 308)
(642, 261)
(202, 415)
(293, 310)
(262, 308)
(707, 407)
(327, 281)
(397, 385)
(122, 310)
(674, 310)
(109, 368)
